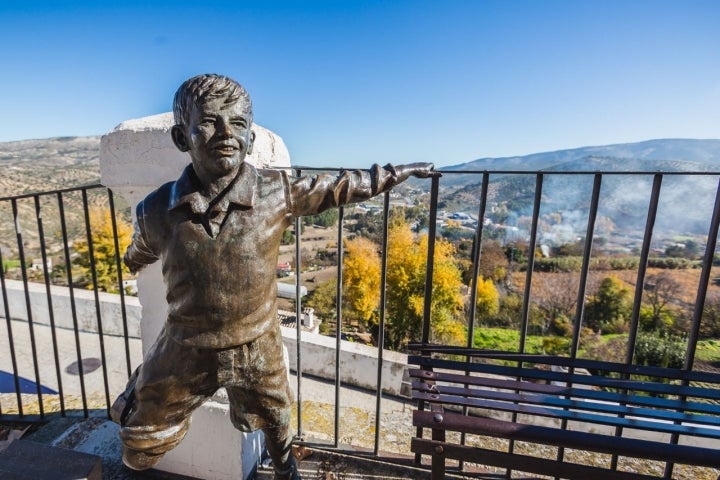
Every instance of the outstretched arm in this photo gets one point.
(314, 193)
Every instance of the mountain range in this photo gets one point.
(673, 153)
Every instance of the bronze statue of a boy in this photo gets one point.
(217, 231)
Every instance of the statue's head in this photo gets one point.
(213, 123)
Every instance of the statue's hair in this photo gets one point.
(196, 89)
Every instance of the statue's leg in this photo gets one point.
(171, 383)
(278, 441)
(260, 398)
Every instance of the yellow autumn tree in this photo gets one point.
(361, 279)
(488, 299)
(103, 245)
(407, 265)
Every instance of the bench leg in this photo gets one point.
(438, 458)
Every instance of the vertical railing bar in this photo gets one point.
(432, 232)
(531, 261)
(476, 255)
(587, 252)
(11, 339)
(73, 307)
(338, 322)
(98, 314)
(703, 283)
(118, 266)
(381, 325)
(48, 293)
(298, 329)
(642, 268)
(31, 328)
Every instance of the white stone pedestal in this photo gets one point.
(213, 449)
(135, 158)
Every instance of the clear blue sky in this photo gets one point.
(348, 83)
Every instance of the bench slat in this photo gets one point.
(575, 416)
(594, 442)
(558, 390)
(650, 371)
(593, 380)
(518, 462)
(470, 396)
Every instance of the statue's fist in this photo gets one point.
(424, 170)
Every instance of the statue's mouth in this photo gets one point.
(225, 149)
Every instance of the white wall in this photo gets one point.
(86, 312)
(358, 363)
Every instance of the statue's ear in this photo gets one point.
(179, 138)
(251, 143)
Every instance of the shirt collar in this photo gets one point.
(186, 190)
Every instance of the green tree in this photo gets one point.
(659, 350)
(660, 291)
(610, 309)
(103, 244)
(323, 300)
(288, 236)
(328, 218)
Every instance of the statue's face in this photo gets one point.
(218, 137)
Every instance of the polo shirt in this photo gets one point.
(219, 256)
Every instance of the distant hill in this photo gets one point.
(683, 153)
(623, 198)
(48, 164)
(31, 166)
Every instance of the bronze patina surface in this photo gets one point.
(217, 232)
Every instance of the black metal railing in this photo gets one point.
(38, 252)
(519, 221)
(705, 199)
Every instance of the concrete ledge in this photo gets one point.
(358, 363)
(26, 460)
(110, 308)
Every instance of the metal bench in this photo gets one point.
(657, 414)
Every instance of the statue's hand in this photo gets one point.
(424, 170)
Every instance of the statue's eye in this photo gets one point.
(206, 121)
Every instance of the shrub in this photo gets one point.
(660, 350)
